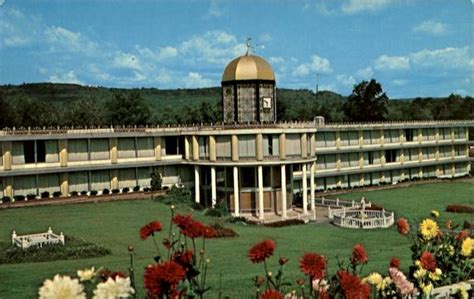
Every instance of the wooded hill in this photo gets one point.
(49, 104)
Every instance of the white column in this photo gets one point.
(236, 192)
(213, 186)
(312, 188)
(260, 193)
(305, 191)
(283, 191)
(197, 182)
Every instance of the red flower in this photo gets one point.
(428, 261)
(462, 235)
(352, 286)
(184, 258)
(323, 295)
(359, 255)
(162, 279)
(271, 294)
(282, 260)
(395, 263)
(261, 251)
(191, 228)
(314, 265)
(402, 226)
(209, 232)
(150, 229)
(105, 274)
(167, 243)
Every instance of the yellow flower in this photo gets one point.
(384, 284)
(374, 278)
(418, 263)
(435, 275)
(429, 229)
(86, 274)
(426, 288)
(466, 246)
(462, 293)
(420, 273)
(435, 213)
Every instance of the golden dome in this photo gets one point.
(248, 67)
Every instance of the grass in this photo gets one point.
(115, 225)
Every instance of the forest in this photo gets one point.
(50, 104)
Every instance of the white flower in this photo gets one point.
(86, 274)
(61, 287)
(112, 289)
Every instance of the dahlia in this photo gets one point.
(86, 274)
(403, 226)
(435, 214)
(150, 229)
(184, 258)
(114, 288)
(428, 261)
(359, 255)
(62, 287)
(467, 246)
(314, 265)
(163, 278)
(428, 229)
(282, 260)
(261, 251)
(395, 262)
(271, 294)
(352, 286)
(462, 235)
(399, 279)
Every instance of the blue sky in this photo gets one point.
(414, 48)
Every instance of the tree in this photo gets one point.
(367, 102)
(128, 110)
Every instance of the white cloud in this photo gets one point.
(60, 38)
(126, 61)
(451, 58)
(69, 77)
(265, 37)
(214, 9)
(157, 55)
(356, 6)
(163, 77)
(17, 30)
(194, 80)
(317, 64)
(346, 80)
(399, 82)
(392, 63)
(213, 47)
(365, 73)
(431, 28)
(276, 59)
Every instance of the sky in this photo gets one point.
(414, 48)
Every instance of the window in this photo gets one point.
(408, 135)
(248, 177)
(371, 158)
(390, 156)
(171, 143)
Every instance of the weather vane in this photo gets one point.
(249, 46)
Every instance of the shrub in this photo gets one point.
(197, 206)
(223, 232)
(176, 196)
(115, 191)
(105, 191)
(73, 249)
(83, 193)
(6, 199)
(136, 188)
(219, 210)
(94, 192)
(146, 189)
(125, 190)
(57, 194)
(74, 193)
(460, 209)
(238, 219)
(45, 194)
(156, 181)
(31, 196)
(285, 223)
(19, 197)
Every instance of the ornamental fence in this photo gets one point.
(27, 241)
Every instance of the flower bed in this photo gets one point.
(460, 209)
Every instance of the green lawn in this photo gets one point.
(116, 224)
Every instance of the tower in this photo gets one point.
(248, 90)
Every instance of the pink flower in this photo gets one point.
(399, 279)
